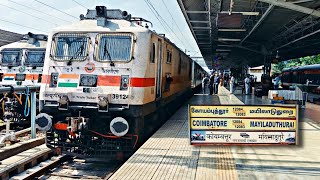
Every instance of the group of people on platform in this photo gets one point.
(214, 81)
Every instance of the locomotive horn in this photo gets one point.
(124, 13)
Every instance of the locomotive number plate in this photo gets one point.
(119, 96)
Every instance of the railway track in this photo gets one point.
(33, 160)
(22, 154)
(62, 167)
(80, 169)
(22, 161)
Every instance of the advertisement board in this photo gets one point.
(243, 125)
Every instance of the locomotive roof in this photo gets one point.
(23, 44)
(90, 25)
(114, 25)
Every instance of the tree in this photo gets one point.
(308, 60)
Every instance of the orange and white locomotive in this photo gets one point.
(108, 83)
(22, 61)
(22, 65)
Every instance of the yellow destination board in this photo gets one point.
(242, 124)
(243, 111)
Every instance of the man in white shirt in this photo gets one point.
(247, 85)
(232, 84)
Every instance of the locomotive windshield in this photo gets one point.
(11, 57)
(35, 57)
(68, 47)
(114, 47)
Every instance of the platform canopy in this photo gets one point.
(251, 32)
(7, 37)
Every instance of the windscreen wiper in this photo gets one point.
(106, 51)
(78, 52)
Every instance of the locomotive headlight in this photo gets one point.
(103, 101)
(63, 99)
(119, 126)
(43, 122)
(88, 80)
(20, 77)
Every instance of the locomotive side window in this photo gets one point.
(169, 56)
(114, 47)
(11, 57)
(153, 52)
(35, 57)
(67, 47)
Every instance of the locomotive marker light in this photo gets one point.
(119, 126)
(43, 122)
(124, 82)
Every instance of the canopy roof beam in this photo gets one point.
(265, 14)
(243, 13)
(293, 7)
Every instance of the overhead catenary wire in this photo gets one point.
(173, 19)
(23, 25)
(56, 9)
(34, 9)
(156, 13)
(162, 21)
(157, 18)
(80, 4)
(28, 14)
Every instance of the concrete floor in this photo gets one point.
(169, 155)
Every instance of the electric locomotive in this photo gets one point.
(108, 83)
(21, 65)
(22, 61)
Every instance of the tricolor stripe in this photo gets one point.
(68, 80)
(69, 76)
(71, 85)
(9, 77)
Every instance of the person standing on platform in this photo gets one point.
(227, 79)
(247, 85)
(205, 82)
(211, 84)
(216, 83)
(221, 79)
(232, 80)
(276, 82)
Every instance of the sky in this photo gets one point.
(48, 18)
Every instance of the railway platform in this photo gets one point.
(169, 155)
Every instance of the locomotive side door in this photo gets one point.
(159, 69)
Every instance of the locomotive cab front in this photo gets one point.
(107, 86)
